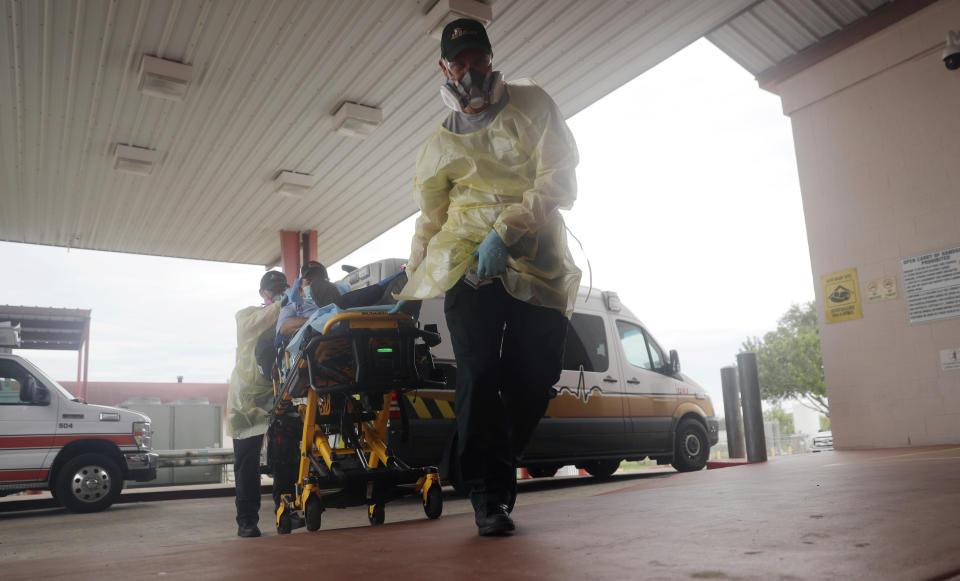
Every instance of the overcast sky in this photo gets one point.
(688, 207)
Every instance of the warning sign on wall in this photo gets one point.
(950, 359)
(931, 284)
(841, 296)
(884, 289)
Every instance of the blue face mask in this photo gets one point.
(306, 295)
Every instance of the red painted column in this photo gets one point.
(79, 368)
(86, 360)
(308, 246)
(290, 254)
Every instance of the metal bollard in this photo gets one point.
(752, 412)
(731, 412)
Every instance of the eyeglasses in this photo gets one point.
(468, 60)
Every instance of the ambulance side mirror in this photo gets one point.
(27, 388)
(32, 392)
(674, 365)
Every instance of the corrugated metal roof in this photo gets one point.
(267, 76)
(48, 327)
(771, 31)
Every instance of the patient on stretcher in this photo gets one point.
(321, 300)
(314, 292)
(310, 292)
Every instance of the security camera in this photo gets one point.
(951, 54)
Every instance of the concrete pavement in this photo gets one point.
(882, 514)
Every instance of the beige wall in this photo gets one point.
(877, 133)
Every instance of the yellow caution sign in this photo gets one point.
(841, 296)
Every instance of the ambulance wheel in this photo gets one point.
(312, 511)
(284, 525)
(433, 507)
(602, 469)
(88, 483)
(692, 446)
(376, 513)
(542, 470)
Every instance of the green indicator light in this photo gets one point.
(385, 350)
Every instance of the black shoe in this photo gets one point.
(248, 531)
(512, 498)
(494, 521)
(296, 522)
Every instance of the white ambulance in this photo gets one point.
(49, 439)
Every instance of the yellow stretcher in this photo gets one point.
(341, 383)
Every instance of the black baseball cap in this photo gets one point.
(311, 271)
(273, 279)
(460, 35)
(309, 265)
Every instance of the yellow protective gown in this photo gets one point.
(512, 176)
(250, 395)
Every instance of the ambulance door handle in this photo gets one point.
(633, 380)
(610, 379)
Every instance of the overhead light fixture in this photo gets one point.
(354, 120)
(135, 160)
(164, 79)
(293, 184)
(446, 11)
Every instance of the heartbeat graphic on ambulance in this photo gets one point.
(581, 393)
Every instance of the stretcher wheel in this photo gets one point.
(434, 503)
(284, 525)
(376, 513)
(312, 511)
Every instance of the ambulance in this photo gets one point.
(51, 440)
(621, 396)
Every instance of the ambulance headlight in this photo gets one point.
(143, 435)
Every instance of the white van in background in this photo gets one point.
(621, 396)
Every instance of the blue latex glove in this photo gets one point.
(293, 294)
(491, 256)
(411, 308)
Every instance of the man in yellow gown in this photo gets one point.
(490, 183)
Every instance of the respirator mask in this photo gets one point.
(475, 90)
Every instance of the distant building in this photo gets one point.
(114, 393)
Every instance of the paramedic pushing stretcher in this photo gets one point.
(248, 403)
(490, 184)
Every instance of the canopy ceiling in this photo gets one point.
(268, 76)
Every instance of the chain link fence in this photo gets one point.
(778, 444)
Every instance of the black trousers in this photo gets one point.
(509, 355)
(246, 474)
